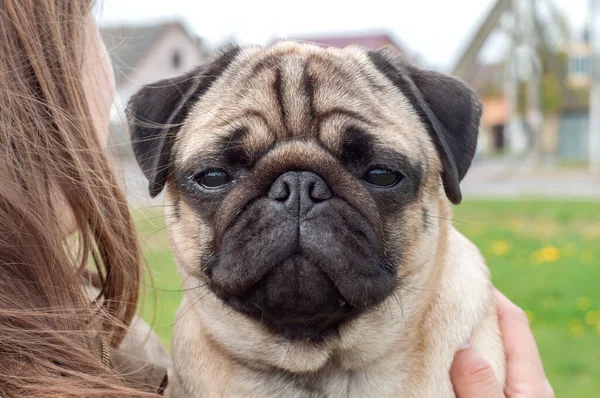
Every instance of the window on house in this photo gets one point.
(176, 59)
(579, 65)
(585, 65)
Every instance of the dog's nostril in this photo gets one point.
(319, 191)
(280, 192)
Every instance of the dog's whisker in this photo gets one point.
(189, 275)
(287, 351)
(454, 220)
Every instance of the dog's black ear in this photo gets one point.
(446, 106)
(156, 112)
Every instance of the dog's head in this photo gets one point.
(300, 179)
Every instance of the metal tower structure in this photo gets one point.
(530, 25)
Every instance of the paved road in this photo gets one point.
(502, 179)
(492, 179)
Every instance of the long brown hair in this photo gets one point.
(49, 149)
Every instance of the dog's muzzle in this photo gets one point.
(300, 259)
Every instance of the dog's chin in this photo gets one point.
(296, 300)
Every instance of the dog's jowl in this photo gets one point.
(308, 195)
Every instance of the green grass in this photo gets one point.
(544, 255)
(163, 291)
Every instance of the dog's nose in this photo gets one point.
(299, 191)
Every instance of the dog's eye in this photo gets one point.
(213, 178)
(382, 178)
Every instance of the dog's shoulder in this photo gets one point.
(463, 308)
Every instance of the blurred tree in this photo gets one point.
(552, 94)
(555, 95)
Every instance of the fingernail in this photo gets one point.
(464, 346)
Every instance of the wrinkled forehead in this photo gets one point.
(299, 91)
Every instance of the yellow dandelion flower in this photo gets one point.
(592, 317)
(586, 257)
(583, 303)
(500, 248)
(530, 315)
(549, 254)
(598, 328)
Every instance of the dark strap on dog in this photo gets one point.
(163, 385)
(136, 372)
(139, 373)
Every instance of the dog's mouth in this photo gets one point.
(296, 300)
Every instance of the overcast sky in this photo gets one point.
(435, 29)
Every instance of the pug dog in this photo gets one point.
(308, 196)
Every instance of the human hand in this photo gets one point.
(473, 377)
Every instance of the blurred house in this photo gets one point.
(369, 41)
(574, 123)
(487, 80)
(564, 93)
(564, 103)
(142, 54)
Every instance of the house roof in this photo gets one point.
(370, 41)
(128, 44)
